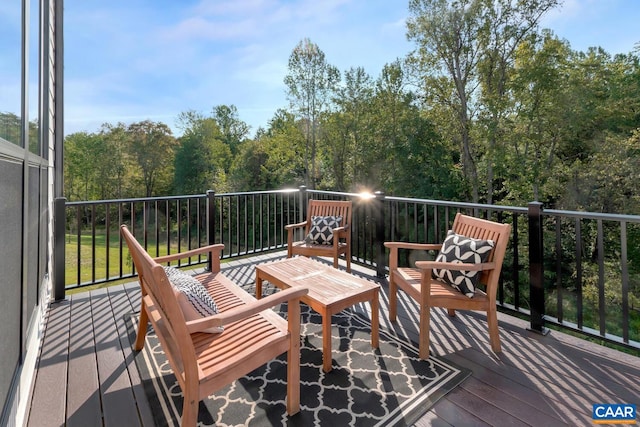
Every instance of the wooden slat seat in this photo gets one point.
(203, 362)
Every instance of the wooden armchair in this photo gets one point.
(206, 362)
(341, 241)
(430, 292)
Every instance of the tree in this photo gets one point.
(202, 155)
(415, 161)
(248, 169)
(152, 147)
(112, 169)
(446, 61)
(462, 44)
(349, 128)
(569, 104)
(80, 151)
(506, 25)
(391, 104)
(10, 127)
(310, 83)
(543, 117)
(234, 131)
(285, 140)
(608, 189)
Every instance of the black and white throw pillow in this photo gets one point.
(321, 232)
(193, 298)
(461, 249)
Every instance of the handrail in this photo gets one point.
(582, 261)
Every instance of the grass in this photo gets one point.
(87, 264)
(89, 270)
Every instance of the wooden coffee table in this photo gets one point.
(330, 291)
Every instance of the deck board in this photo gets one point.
(50, 389)
(536, 380)
(118, 401)
(83, 399)
(132, 293)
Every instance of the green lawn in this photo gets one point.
(100, 265)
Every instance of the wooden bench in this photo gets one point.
(204, 362)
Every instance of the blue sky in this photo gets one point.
(146, 59)
(132, 60)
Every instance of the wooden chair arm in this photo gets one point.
(212, 249)
(294, 226)
(418, 246)
(459, 266)
(246, 310)
(394, 246)
(343, 230)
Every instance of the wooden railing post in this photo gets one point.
(536, 268)
(378, 244)
(211, 222)
(59, 224)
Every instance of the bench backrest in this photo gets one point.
(341, 208)
(159, 295)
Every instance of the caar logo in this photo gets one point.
(610, 413)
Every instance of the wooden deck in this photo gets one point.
(87, 376)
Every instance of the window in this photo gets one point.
(33, 85)
(10, 70)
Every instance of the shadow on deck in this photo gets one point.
(87, 376)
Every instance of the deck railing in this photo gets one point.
(574, 269)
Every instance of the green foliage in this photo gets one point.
(234, 131)
(202, 157)
(487, 108)
(310, 83)
(10, 127)
(153, 146)
(272, 160)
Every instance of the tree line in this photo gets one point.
(487, 108)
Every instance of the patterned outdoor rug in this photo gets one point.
(390, 386)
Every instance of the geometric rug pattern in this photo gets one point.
(388, 386)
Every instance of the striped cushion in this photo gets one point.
(193, 298)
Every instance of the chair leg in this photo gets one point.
(451, 312)
(293, 392)
(189, 411)
(494, 334)
(293, 358)
(142, 329)
(425, 320)
(393, 299)
(293, 377)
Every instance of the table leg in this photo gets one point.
(374, 320)
(326, 342)
(258, 285)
